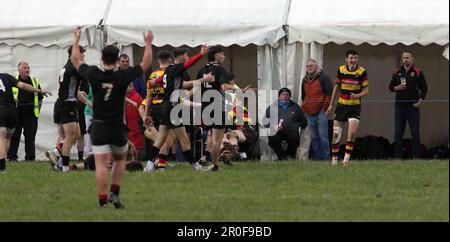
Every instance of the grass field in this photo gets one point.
(252, 191)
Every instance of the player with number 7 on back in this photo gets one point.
(108, 132)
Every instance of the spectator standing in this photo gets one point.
(28, 110)
(410, 87)
(138, 83)
(316, 96)
(132, 102)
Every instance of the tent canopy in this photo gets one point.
(47, 22)
(374, 22)
(192, 23)
(180, 22)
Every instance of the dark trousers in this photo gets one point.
(29, 123)
(412, 115)
(291, 137)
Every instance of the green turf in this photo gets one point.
(253, 191)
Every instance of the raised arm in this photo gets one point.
(148, 52)
(204, 49)
(76, 55)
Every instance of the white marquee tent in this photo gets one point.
(285, 33)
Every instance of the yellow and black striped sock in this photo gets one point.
(349, 148)
(335, 151)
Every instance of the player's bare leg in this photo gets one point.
(182, 137)
(5, 141)
(161, 159)
(72, 133)
(118, 170)
(101, 177)
(55, 154)
(217, 135)
(353, 125)
(337, 133)
(163, 132)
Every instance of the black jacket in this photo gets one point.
(416, 85)
(293, 117)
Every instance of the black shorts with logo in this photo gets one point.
(161, 115)
(158, 113)
(344, 112)
(103, 133)
(65, 112)
(8, 116)
(221, 122)
(178, 121)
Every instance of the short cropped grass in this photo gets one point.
(252, 191)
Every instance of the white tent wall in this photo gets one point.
(377, 116)
(6, 59)
(45, 64)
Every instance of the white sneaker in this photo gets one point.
(65, 169)
(197, 167)
(208, 168)
(52, 157)
(346, 160)
(57, 168)
(149, 167)
(334, 162)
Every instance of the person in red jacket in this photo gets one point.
(132, 102)
(316, 95)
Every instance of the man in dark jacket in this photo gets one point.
(408, 83)
(290, 119)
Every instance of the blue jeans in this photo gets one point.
(412, 115)
(318, 127)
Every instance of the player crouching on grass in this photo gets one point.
(108, 132)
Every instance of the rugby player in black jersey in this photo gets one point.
(108, 131)
(8, 112)
(174, 83)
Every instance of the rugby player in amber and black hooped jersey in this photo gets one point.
(174, 82)
(351, 85)
(155, 96)
(216, 57)
(108, 131)
(65, 114)
(8, 111)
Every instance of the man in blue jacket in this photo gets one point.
(290, 119)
